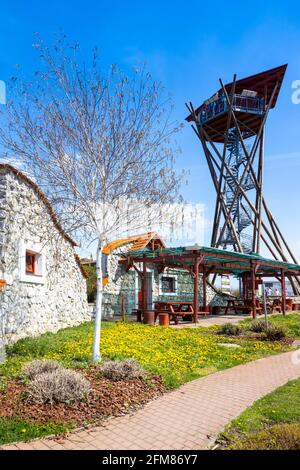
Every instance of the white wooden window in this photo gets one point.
(167, 284)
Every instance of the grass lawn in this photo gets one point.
(291, 322)
(16, 429)
(177, 355)
(275, 415)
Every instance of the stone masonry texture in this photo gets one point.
(28, 309)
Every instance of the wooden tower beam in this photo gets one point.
(233, 197)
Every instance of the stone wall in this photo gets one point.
(185, 289)
(28, 308)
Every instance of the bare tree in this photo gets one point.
(100, 145)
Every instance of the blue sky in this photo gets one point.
(187, 45)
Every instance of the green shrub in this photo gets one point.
(58, 386)
(258, 326)
(35, 368)
(271, 331)
(91, 282)
(122, 370)
(285, 436)
(229, 329)
(274, 332)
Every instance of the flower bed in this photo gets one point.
(106, 399)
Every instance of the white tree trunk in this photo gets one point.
(98, 310)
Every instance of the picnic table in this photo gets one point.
(272, 305)
(239, 305)
(176, 309)
(231, 303)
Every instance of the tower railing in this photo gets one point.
(218, 106)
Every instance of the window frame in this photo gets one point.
(38, 276)
(32, 262)
(174, 277)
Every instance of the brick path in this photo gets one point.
(211, 320)
(186, 417)
(221, 319)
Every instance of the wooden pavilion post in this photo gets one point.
(253, 279)
(244, 284)
(283, 292)
(196, 288)
(144, 286)
(204, 289)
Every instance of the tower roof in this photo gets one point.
(259, 82)
(251, 95)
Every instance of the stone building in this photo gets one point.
(124, 286)
(42, 283)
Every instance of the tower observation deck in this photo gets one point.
(231, 127)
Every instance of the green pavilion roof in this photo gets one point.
(239, 262)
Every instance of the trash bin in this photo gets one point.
(149, 316)
(164, 319)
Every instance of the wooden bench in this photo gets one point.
(174, 309)
(275, 305)
(173, 315)
(244, 307)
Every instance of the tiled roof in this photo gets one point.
(138, 242)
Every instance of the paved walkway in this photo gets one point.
(211, 320)
(186, 418)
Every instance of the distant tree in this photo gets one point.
(91, 281)
(100, 145)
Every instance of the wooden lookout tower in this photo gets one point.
(231, 128)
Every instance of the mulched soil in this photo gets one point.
(106, 399)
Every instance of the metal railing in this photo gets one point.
(246, 104)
